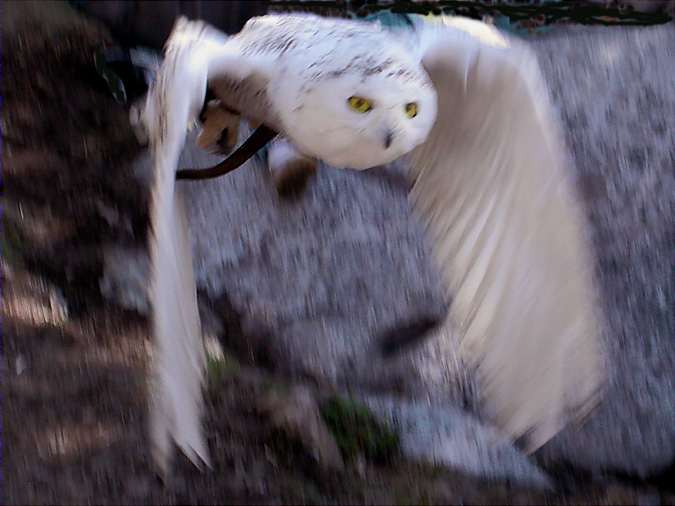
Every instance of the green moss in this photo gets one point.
(423, 499)
(11, 243)
(357, 431)
(219, 368)
(272, 385)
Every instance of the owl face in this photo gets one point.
(362, 117)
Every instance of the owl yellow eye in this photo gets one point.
(359, 104)
(411, 109)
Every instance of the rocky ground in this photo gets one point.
(74, 364)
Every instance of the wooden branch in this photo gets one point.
(575, 11)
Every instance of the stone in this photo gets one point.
(448, 436)
(125, 277)
(296, 412)
(614, 89)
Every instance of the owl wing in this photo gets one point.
(195, 54)
(491, 187)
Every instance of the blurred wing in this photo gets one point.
(195, 54)
(491, 185)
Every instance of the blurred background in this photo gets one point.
(296, 295)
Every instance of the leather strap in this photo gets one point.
(257, 140)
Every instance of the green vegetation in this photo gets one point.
(220, 367)
(11, 243)
(357, 431)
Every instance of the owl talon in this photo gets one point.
(293, 181)
(291, 170)
(220, 129)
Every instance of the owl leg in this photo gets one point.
(290, 169)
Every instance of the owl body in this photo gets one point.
(468, 113)
(315, 65)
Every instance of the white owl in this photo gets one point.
(469, 112)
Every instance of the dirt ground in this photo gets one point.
(74, 384)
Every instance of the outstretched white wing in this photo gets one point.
(195, 54)
(491, 186)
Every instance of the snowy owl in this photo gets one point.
(468, 111)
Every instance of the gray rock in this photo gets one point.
(296, 413)
(329, 273)
(445, 435)
(125, 277)
(616, 92)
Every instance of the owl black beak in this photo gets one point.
(388, 137)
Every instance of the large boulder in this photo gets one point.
(615, 88)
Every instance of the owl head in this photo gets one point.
(360, 112)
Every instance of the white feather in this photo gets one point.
(491, 185)
(194, 51)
